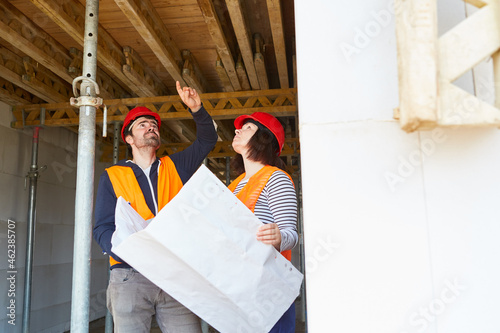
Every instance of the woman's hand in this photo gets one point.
(270, 234)
(189, 96)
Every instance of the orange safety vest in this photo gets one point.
(125, 185)
(251, 191)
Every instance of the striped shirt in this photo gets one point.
(277, 203)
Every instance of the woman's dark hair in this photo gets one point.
(262, 147)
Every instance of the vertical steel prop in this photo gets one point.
(228, 170)
(108, 326)
(87, 103)
(30, 238)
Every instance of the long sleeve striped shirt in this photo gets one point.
(277, 203)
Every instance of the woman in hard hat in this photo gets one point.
(265, 188)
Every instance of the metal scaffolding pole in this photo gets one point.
(87, 103)
(228, 170)
(30, 238)
(108, 328)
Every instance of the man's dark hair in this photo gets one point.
(262, 147)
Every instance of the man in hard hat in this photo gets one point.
(148, 183)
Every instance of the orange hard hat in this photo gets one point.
(137, 112)
(269, 121)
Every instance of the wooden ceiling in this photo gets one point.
(240, 54)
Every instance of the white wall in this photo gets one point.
(53, 249)
(401, 230)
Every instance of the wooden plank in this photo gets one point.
(469, 43)
(458, 107)
(135, 63)
(215, 29)
(108, 87)
(276, 21)
(221, 71)
(13, 95)
(12, 70)
(70, 18)
(477, 3)
(242, 74)
(416, 34)
(151, 28)
(260, 64)
(117, 109)
(243, 36)
(192, 70)
(24, 35)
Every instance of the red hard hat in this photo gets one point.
(270, 122)
(137, 112)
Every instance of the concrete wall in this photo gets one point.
(401, 230)
(53, 249)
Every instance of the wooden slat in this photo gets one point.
(244, 42)
(416, 33)
(109, 53)
(242, 74)
(221, 71)
(276, 21)
(21, 33)
(134, 64)
(155, 34)
(458, 107)
(108, 87)
(469, 43)
(262, 100)
(12, 70)
(192, 74)
(477, 3)
(260, 64)
(215, 28)
(13, 95)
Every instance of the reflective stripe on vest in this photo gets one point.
(125, 185)
(250, 193)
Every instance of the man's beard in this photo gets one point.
(152, 140)
(149, 141)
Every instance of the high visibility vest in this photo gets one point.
(125, 185)
(250, 193)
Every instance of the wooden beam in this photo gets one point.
(477, 3)
(215, 29)
(45, 81)
(276, 21)
(416, 33)
(278, 102)
(137, 71)
(224, 78)
(70, 16)
(149, 25)
(14, 95)
(192, 74)
(242, 74)
(12, 70)
(260, 64)
(469, 43)
(27, 37)
(108, 87)
(241, 30)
